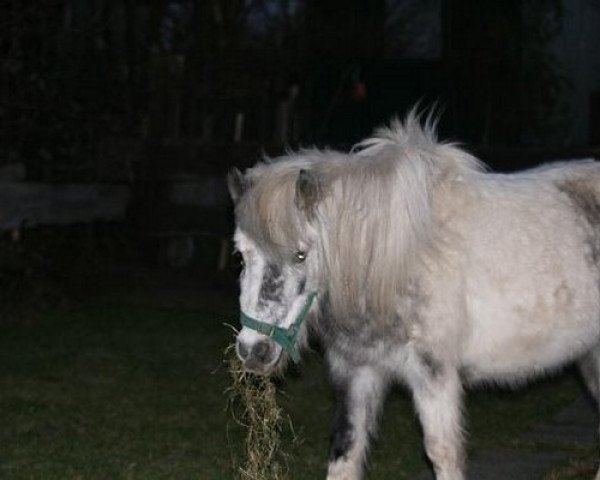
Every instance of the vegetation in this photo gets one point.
(253, 402)
(133, 386)
(81, 80)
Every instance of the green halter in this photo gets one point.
(286, 337)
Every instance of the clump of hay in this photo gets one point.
(253, 403)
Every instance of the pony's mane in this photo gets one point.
(267, 211)
(375, 216)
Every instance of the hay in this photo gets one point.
(253, 404)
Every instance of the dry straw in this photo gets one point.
(253, 404)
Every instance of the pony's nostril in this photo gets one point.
(261, 351)
(242, 350)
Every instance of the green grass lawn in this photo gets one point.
(121, 390)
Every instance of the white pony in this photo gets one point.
(411, 263)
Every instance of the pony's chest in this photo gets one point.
(363, 342)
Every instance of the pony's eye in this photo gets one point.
(299, 256)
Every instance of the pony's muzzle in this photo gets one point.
(259, 356)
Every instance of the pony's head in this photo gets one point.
(274, 205)
(352, 228)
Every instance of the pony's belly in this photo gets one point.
(524, 350)
(531, 313)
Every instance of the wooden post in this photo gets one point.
(207, 128)
(176, 64)
(294, 119)
(282, 122)
(238, 128)
(223, 254)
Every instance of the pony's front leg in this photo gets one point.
(437, 395)
(359, 396)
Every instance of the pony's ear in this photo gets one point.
(236, 184)
(308, 191)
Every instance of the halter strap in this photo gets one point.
(286, 337)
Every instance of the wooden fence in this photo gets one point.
(25, 204)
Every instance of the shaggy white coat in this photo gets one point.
(430, 271)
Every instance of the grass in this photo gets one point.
(126, 390)
(113, 393)
(581, 468)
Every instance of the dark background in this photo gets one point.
(164, 96)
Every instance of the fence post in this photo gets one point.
(238, 128)
(207, 128)
(282, 122)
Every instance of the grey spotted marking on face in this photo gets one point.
(271, 288)
(301, 285)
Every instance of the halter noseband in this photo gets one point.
(286, 337)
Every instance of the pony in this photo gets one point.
(412, 263)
